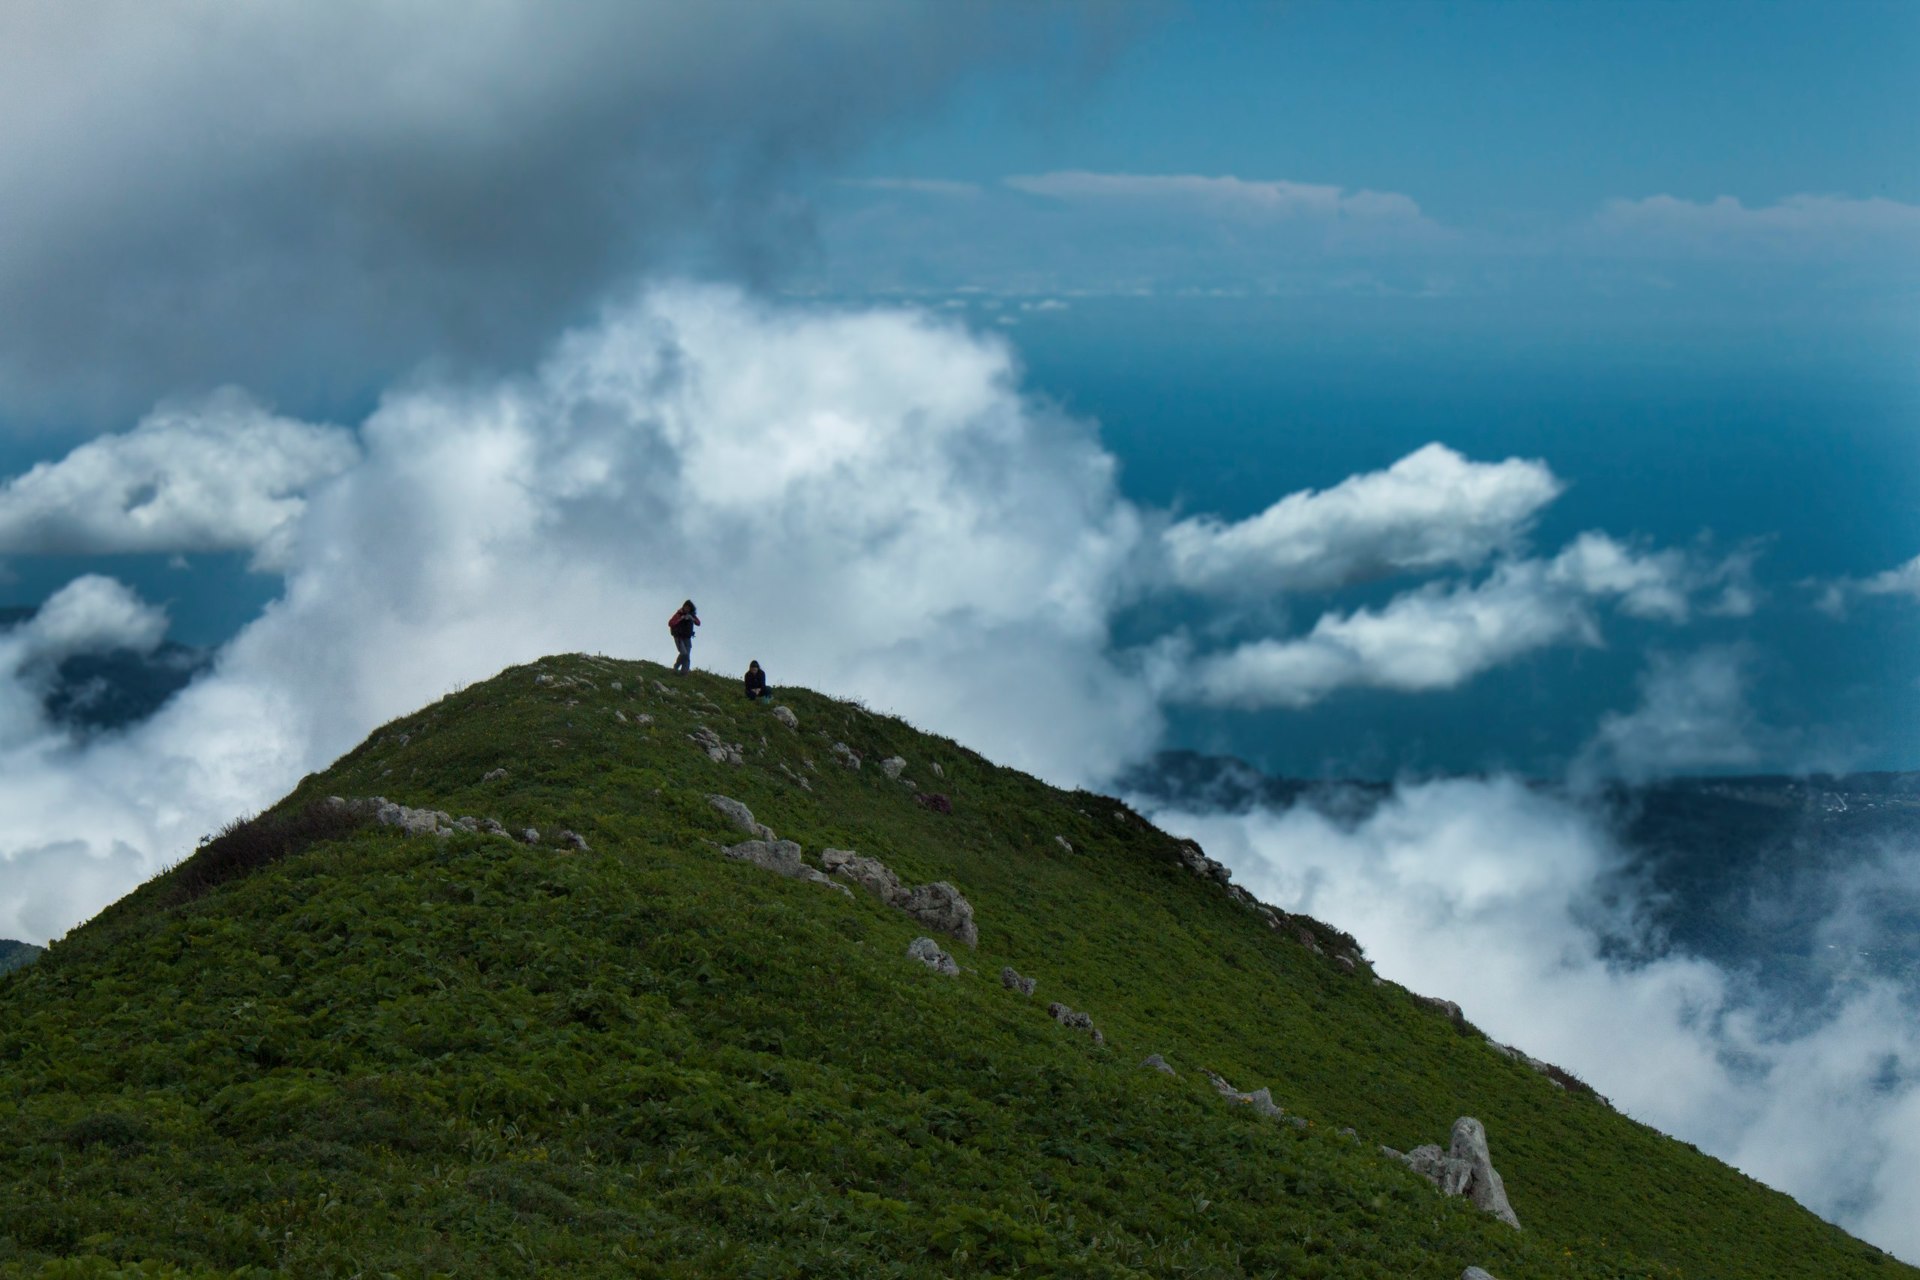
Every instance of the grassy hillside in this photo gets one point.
(333, 1048)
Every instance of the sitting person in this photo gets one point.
(756, 682)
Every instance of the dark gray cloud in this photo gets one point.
(311, 199)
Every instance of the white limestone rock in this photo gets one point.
(928, 952)
(740, 816)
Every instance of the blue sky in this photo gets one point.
(1485, 111)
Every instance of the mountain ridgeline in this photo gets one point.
(591, 970)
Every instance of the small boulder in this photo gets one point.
(786, 717)
(1475, 1273)
(1066, 1017)
(780, 856)
(870, 874)
(928, 952)
(1012, 981)
(1063, 843)
(938, 772)
(572, 840)
(1154, 1062)
(740, 816)
(494, 775)
(1195, 860)
(531, 835)
(941, 906)
(893, 766)
(1261, 1100)
(846, 755)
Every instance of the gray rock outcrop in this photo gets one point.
(870, 874)
(1154, 1062)
(718, 751)
(438, 823)
(938, 905)
(1464, 1169)
(1012, 981)
(1475, 1273)
(1067, 1017)
(1193, 859)
(941, 906)
(928, 952)
(782, 857)
(846, 755)
(786, 717)
(740, 816)
(415, 822)
(893, 766)
(494, 775)
(1261, 1100)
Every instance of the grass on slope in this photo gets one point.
(383, 1054)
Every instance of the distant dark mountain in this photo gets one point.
(14, 954)
(112, 690)
(1798, 882)
(1806, 882)
(96, 691)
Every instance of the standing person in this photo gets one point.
(682, 623)
(756, 681)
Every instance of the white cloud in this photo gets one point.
(222, 474)
(1440, 635)
(91, 614)
(1692, 714)
(1225, 195)
(1434, 637)
(916, 186)
(1432, 509)
(1653, 585)
(1901, 580)
(1799, 226)
(860, 500)
(1489, 893)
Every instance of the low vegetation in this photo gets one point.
(327, 1047)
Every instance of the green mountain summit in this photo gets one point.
(591, 970)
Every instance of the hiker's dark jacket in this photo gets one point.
(756, 682)
(684, 622)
